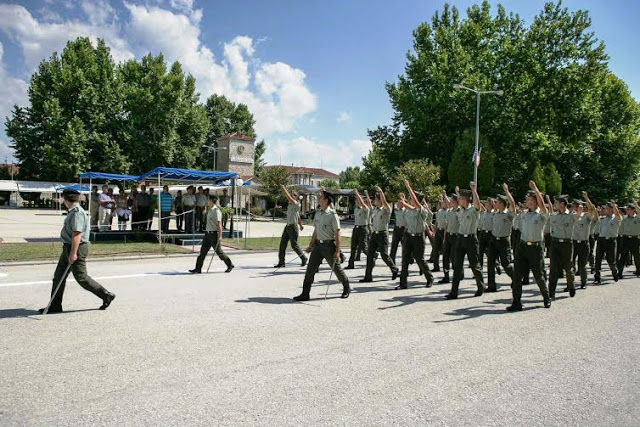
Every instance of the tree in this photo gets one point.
(328, 183)
(71, 122)
(272, 178)
(258, 158)
(350, 174)
(225, 117)
(165, 126)
(460, 170)
(553, 181)
(560, 102)
(422, 175)
(537, 175)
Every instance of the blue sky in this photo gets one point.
(313, 72)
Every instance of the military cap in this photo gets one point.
(532, 194)
(578, 202)
(454, 197)
(608, 205)
(563, 198)
(69, 192)
(504, 199)
(630, 206)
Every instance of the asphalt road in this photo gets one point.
(232, 349)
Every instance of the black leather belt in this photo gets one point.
(556, 239)
(326, 241)
(607, 238)
(530, 243)
(415, 234)
(633, 237)
(467, 235)
(580, 241)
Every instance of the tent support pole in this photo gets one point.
(233, 198)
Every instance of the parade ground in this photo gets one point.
(233, 349)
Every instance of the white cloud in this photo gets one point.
(275, 93)
(12, 91)
(307, 152)
(344, 117)
(39, 40)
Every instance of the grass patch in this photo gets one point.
(273, 243)
(37, 251)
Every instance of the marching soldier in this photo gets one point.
(75, 249)
(467, 241)
(561, 246)
(441, 223)
(608, 234)
(530, 250)
(212, 237)
(360, 233)
(380, 237)
(416, 217)
(325, 244)
(630, 239)
(452, 226)
(291, 230)
(399, 227)
(581, 235)
(484, 230)
(499, 245)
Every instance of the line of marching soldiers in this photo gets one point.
(466, 227)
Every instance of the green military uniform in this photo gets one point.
(290, 234)
(630, 243)
(212, 240)
(360, 235)
(379, 243)
(581, 237)
(398, 232)
(413, 244)
(530, 256)
(450, 240)
(466, 244)
(499, 246)
(515, 232)
(607, 236)
(436, 249)
(326, 225)
(561, 251)
(77, 220)
(593, 237)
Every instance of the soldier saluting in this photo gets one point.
(291, 230)
(608, 234)
(75, 249)
(360, 233)
(581, 235)
(499, 245)
(467, 241)
(530, 250)
(631, 238)
(561, 246)
(415, 218)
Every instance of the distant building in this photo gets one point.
(235, 153)
(307, 176)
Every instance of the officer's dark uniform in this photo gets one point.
(379, 243)
(467, 244)
(326, 224)
(413, 244)
(211, 240)
(290, 234)
(77, 220)
(499, 245)
(398, 233)
(561, 249)
(608, 234)
(630, 242)
(437, 247)
(359, 235)
(581, 243)
(530, 256)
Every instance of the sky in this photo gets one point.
(312, 72)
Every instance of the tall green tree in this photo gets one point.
(460, 169)
(560, 100)
(350, 175)
(225, 117)
(423, 177)
(271, 179)
(72, 120)
(258, 157)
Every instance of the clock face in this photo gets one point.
(240, 149)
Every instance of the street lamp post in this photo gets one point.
(478, 93)
(215, 150)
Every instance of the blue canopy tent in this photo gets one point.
(77, 187)
(106, 176)
(189, 176)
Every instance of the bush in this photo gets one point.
(227, 211)
(256, 211)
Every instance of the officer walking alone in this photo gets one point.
(212, 237)
(75, 249)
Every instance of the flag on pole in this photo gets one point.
(476, 157)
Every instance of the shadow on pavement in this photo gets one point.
(17, 312)
(474, 312)
(267, 300)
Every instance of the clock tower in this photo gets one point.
(236, 154)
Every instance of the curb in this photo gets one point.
(127, 258)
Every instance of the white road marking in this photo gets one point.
(71, 279)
